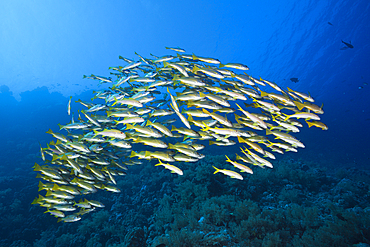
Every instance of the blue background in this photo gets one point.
(47, 46)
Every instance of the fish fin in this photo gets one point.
(241, 140)
(41, 186)
(202, 94)
(37, 167)
(195, 69)
(205, 128)
(217, 170)
(263, 94)
(133, 154)
(268, 132)
(55, 157)
(309, 124)
(299, 105)
(205, 111)
(128, 126)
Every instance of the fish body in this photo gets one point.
(317, 124)
(235, 66)
(229, 173)
(173, 169)
(242, 167)
(304, 115)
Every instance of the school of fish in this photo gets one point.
(171, 107)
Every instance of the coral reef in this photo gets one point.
(298, 203)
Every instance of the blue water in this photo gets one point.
(47, 46)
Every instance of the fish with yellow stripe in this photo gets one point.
(130, 123)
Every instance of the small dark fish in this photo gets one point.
(348, 45)
(330, 23)
(360, 87)
(161, 245)
(340, 216)
(294, 79)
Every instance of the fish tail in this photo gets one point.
(128, 126)
(35, 201)
(263, 94)
(217, 170)
(309, 124)
(41, 186)
(55, 157)
(268, 132)
(299, 105)
(205, 128)
(241, 140)
(133, 154)
(37, 167)
(195, 69)
(202, 94)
